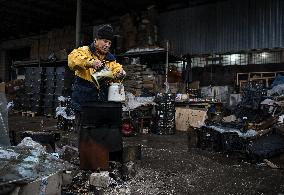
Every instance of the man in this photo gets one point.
(87, 60)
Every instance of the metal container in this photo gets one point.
(116, 92)
(99, 134)
(93, 155)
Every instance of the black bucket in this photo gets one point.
(101, 113)
(100, 133)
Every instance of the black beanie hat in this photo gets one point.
(105, 32)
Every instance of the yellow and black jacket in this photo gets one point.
(84, 89)
(80, 60)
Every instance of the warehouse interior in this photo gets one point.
(199, 110)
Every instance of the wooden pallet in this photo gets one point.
(16, 112)
(49, 115)
(29, 113)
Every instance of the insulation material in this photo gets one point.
(186, 117)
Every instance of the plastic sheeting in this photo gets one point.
(220, 93)
(4, 131)
(133, 102)
(62, 111)
(277, 90)
(65, 112)
(249, 133)
(268, 102)
(279, 80)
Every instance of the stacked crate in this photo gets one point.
(34, 78)
(165, 114)
(43, 86)
(59, 82)
(49, 88)
(54, 86)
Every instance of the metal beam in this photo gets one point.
(78, 22)
(30, 8)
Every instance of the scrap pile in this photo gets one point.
(256, 129)
(29, 169)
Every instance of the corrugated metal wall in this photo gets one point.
(227, 26)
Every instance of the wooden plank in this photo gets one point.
(270, 164)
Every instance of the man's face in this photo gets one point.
(103, 45)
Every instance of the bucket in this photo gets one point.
(116, 92)
(99, 134)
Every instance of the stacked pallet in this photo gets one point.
(139, 79)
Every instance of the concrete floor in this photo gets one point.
(169, 167)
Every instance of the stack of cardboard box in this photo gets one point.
(139, 78)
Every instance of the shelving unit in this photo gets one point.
(265, 77)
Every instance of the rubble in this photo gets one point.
(30, 164)
(100, 179)
(70, 154)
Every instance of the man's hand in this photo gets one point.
(121, 73)
(97, 64)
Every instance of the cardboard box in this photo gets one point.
(2, 87)
(13, 86)
(186, 117)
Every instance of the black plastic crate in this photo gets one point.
(49, 90)
(49, 80)
(50, 71)
(60, 70)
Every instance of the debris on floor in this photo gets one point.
(30, 164)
